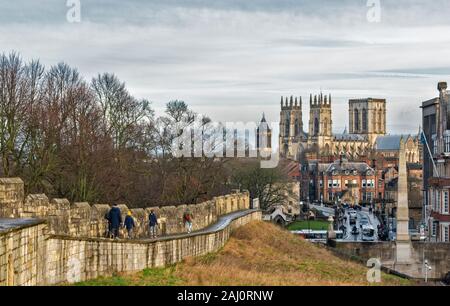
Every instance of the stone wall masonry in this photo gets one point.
(437, 254)
(22, 255)
(85, 220)
(27, 258)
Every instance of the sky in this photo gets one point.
(233, 59)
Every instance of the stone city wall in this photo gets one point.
(85, 220)
(437, 254)
(21, 254)
(27, 258)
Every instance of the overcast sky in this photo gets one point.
(232, 60)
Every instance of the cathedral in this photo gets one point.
(367, 121)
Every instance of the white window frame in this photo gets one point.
(445, 206)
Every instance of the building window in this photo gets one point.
(357, 120)
(321, 183)
(447, 142)
(446, 234)
(380, 121)
(435, 144)
(445, 208)
(330, 196)
(316, 127)
(434, 229)
(364, 120)
(336, 183)
(346, 183)
(330, 184)
(364, 184)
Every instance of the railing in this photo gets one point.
(441, 145)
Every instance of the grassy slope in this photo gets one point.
(257, 254)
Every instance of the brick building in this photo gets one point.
(342, 180)
(436, 171)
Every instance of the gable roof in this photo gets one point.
(390, 142)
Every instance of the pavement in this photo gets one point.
(221, 223)
(373, 220)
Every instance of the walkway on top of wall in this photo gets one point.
(221, 223)
(7, 225)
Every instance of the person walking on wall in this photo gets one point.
(153, 223)
(115, 217)
(129, 224)
(187, 218)
(108, 229)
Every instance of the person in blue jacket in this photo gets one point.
(129, 224)
(115, 218)
(153, 223)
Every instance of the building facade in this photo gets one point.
(344, 181)
(389, 147)
(367, 120)
(436, 169)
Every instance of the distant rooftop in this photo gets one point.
(349, 137)
(390, 142)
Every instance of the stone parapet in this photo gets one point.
(85, 220)
(29, 257)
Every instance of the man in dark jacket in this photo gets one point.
(129, 224)
(115, 218)
(153, 223)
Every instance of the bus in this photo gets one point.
(317, 236)
(368, 232)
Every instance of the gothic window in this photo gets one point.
(356, 120)
(286, 128)
(297, 128)
(364, 120)
(380, 121)
(325, 126)
(316, 126)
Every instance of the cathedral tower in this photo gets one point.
(368, 117)
(320, 123)
(291, 126)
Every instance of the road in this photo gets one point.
(373, 220)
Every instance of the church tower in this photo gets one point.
(291, 126)
(264, 139)
(367, 117)
(320, 123)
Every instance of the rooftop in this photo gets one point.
(389, 142)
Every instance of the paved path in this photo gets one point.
(221, 223)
